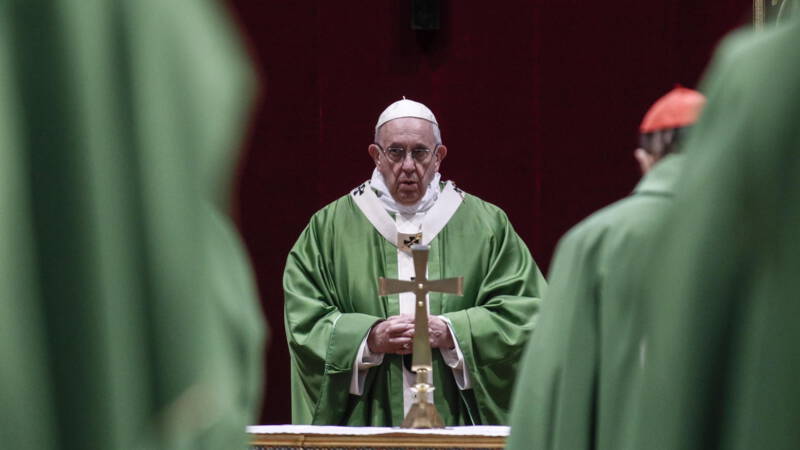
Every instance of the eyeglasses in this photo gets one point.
(398, 154)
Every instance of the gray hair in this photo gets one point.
(660, 143)
(437, 135)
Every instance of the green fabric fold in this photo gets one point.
(129, 317)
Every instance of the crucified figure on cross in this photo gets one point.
(422, 414)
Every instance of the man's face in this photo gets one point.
(408, 178)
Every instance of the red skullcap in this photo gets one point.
(679, 108)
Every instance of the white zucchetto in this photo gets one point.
(405, 108)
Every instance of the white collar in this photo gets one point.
(431, 194)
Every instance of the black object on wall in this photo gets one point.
(425, 14)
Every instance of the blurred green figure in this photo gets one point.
(722, 362)
(128, 316)
(578, 371)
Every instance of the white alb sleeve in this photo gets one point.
(364, 360)
(455, 360)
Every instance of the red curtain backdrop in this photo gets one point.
(538, 102)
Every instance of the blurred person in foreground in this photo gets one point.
(722, 364)
(576, 375)
(350, 346)
(128, 316)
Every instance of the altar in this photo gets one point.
(265, 437)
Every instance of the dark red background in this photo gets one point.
(538, 103)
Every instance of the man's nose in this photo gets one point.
(408, 162)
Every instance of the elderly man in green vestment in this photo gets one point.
(348, 343)
(722, 306)
(575, 381)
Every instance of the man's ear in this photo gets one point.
(645, 159)
(375, 153)
(441, 152)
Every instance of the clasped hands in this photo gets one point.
(396, 335)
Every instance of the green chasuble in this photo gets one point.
(127, 310)
(576, 374)
(332, 301)
(723, 365)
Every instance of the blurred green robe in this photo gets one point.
(723, 365)
(576, 376)
(127, 309)
(332, 301)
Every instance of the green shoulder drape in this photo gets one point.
(722, 362)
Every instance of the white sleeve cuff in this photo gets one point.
(455, 360)
(364, 360)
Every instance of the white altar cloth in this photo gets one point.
(481, 430)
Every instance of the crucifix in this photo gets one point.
(422, 414)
